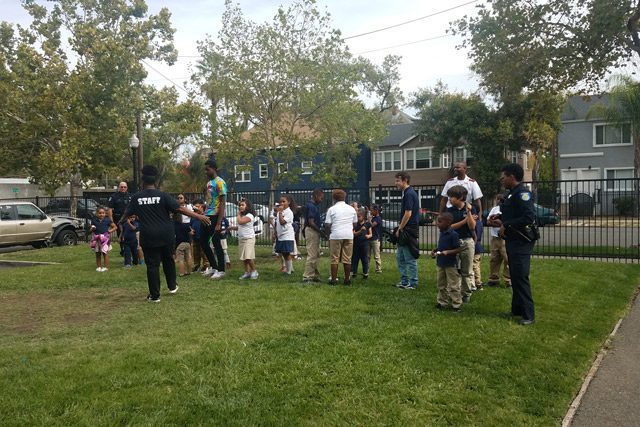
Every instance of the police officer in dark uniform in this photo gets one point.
(517, 227)
(117, 204)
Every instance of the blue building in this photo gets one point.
(256, 178)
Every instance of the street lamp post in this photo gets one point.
(134, 143)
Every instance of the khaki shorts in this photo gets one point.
(341, 251)
(247, 248)
(183, 252)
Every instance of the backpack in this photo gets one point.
(258, 225)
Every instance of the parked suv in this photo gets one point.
(62, 207)
(392, 211)
(67, 231)
(23, 223)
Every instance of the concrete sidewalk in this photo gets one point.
(612, 396)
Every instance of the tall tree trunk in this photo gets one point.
(75, 190)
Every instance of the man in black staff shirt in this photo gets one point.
(517, 228)
(157, 237)
(117, 204)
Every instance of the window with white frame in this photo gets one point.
(282, 168)
(307, 167)
(263, 169)
(446, 159)
(619, 179)
(513, 156)
(421, 158)
(242, 173)
(604, 134)
(387, 161)
(461, 155)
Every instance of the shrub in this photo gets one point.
(624, 205)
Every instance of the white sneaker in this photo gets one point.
(218, 275)
(173, 291)
(254, 274)
(245, 276)
(210, 271)
(104, 269)
(99, 269)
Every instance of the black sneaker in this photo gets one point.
(347, 283)
(400, 285)
(365, 276)
(455, 309)
(491, 284)
(150, 299)
(333, 282)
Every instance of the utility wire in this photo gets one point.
(165, 77)
(405, 44)
(411, 21)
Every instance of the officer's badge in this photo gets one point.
(525, 197)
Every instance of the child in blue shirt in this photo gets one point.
(197, 251)
(224, 225)
(101, 227)
(477, 256)
(449, 280)
(361, 236)
(129, 240)
(376, 235)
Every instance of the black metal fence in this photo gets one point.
(591, 219)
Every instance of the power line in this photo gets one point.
(165, 77)
(411, 21)
(404, 44)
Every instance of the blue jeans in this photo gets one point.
(130, 252)
(407, 265)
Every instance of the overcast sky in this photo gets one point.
(423, 63)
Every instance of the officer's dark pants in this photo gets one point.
(519, 254)
(209, 231)
(153, 257)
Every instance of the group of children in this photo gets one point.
(458, 253)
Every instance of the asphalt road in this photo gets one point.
(573, 236)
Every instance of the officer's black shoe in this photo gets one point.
(440, 306)
(466, 299)
(525, 322)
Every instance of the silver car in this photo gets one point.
(23, 223)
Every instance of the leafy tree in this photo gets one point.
(453, 120)
(535, 119)
(551, 45)
(382, 81)
(71, 119)
(170, 126)
(275, 90)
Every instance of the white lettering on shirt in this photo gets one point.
(149, 200)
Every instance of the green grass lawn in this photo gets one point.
(81, 347)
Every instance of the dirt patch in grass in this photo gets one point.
(29, 313)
